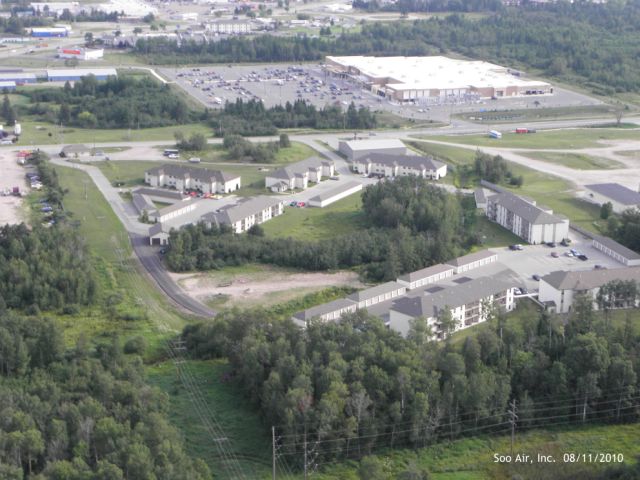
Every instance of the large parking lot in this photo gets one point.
(278, 84)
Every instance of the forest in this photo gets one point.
(122, 102)
(625, 228)
(81, 413)
(591, 43)
(406, 6)
(44, 269)
(252, 118)
(413, 224)
(354, 387)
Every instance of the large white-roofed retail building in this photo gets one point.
(434, 79)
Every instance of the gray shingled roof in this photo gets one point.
(298, 168)
(335, 191)
(233, 213)
(142, 202)
(472, 257)
(616, 247)
(175, 207)
(381, 289)
(426, 272)
(522, 208)
(589, 279)
(411, 161)
(202, 174)
(323, 309)
(161, 192)
(616, 192)
(479, 195)
(429, 304)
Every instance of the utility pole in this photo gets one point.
(512, 420)
(273, 452)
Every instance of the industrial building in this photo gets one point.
(327, 198)
(356, 149)
(392, 165)
(81, 53)
(50, 32)
(18, 77)
(434, 79)
(75, 74)
(620, 197)
(229, 27)
(8, 85)
(618, 252)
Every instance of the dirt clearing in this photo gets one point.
(12, 176)
(254, 286)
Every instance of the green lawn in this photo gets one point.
(493, 235)
(635, 154)
(560, 139)
(577, 161)
(536, 114)
(43, 133)
(309, 223)
(248, 438)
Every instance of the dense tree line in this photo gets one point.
(495, 169)
(241, 149)
(16, 25)
(44, 268)
(121, 102)
(596, 44)
(406, 6)
(252, 118)
(626, 228)
(93, 15)
(82, 413)
(413, 225)
(355, 386)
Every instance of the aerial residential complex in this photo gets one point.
(247, 213)
(523, 217)
(390, 165)
(427, 292)
(190, 178)
(299, 174)
(433, 79)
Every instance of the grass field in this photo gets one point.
(577, 161)
(247, 438)
(536, 114)
(493, 235)
(343, 216)
(43, 133)
(149, 313)
(217, 154)
(560, 139)
(635, 154)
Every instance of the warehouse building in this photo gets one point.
(229, 27)
(75, 74)
(620, 197)
(618, 252)
(426, 276)
(525, 219)
(393, 165)
(473, 261)
(8, 85)
(18, 77)
(380, 293)
(326, 312)
(433, 79)
(356, 149)
(50, 32)
(172, 211)
(327, 198)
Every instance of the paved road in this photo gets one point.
(137, 231)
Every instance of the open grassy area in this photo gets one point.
(577, 161)
(490, 116)
(472, 458)
(143, 309)
(43, 133)
(247, 438)
(560, 139)
(493, 235)
(217, 154)
(635, 154)
(308, 223)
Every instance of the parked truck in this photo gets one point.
(495, 134)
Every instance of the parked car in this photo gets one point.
(536, 277)
(555, 254)
(565, 242)
(551, 244)
(517, 291)
(583, 257)
(599, 267)
(516, 247)
(568, 254)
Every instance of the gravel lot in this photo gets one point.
(12, 176)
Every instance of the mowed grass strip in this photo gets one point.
(577, 161)
(558, 139)
(310, 223)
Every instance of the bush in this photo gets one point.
(136, 345)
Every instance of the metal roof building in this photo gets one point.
(75, 74)
(327, 198)
(620, 196)
(355, 149)
(18, 77)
